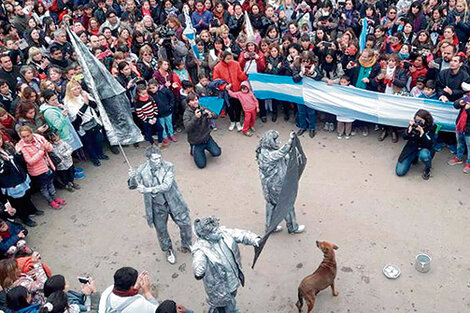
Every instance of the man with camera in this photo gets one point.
(420, 135)
(196, 122)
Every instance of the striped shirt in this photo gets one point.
(146, 110)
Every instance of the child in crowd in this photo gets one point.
(417, 90)
(202, 88)
(250, 106)
(166, 104)
(344, 123)
(65, 170)
(147, 111)
(429, 91)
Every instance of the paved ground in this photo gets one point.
(348, 195)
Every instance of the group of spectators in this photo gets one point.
(49, 118)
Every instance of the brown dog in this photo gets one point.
(323, 277)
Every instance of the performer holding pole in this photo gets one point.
(155, 179)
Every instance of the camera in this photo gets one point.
(251, 54)
(83, 280)
(165, 33)
(203, 110)
(414, 127)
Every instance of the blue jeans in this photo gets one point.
(463, 141)
(150, 130)
(167, 126)
(199, 152)
(424, 155)
(306, 116)
(93, 143)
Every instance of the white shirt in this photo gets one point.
(140, 305)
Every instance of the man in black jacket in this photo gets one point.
(449, 81)
(9, 72)
(196, 122)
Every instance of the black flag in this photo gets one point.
(290, 186)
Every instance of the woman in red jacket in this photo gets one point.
(230, 71)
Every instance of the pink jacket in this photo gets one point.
(36, 155)
(248, 100)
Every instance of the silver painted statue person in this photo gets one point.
(155, 179)
(216, 260)
(272, 161)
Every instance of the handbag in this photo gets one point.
(91, 125)
(55, 158)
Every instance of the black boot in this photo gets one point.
(383, 135)
(426, 173)
(274, 118)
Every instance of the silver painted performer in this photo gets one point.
(155, 179)
(272, 161)
(216, 260)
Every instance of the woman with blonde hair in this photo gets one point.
(37, 59)
(81, 109)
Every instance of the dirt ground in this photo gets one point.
(349, 195)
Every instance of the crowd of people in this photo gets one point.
(49, 118)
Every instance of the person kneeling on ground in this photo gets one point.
(196, 122)
(420, 146)
(124, 296)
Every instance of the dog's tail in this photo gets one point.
(300, 303)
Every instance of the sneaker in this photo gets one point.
(103, 157)
(353, 132)
(114, 150)
(326, 127)
(278, 229)
(76, 186)
(69, 187)
(232, 126)
(239, 127)
(339, 136)
(96, 162)
(331, 127)
(79, 175)
(365, 132)
(455, 161)
(248, 133)
(30, 223)
(466, 168)
(166, 142)
(60, 201)
(299, 230)
(37, 213)
(263, 119)
(376, 127)
(136, 145)
(170, 256)
(54, 205)
(173, 138)
(311, 133)
(347, 137)
(426, 173)
(179, 129)
(214, 128)
(301, 131)
(79, 169)
(252, 129)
